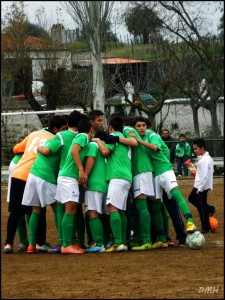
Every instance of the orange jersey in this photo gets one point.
(20, 147)
(30, 144)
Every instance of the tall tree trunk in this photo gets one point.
(95, 42)
(196, 122)
(215, 129)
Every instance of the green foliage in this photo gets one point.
(36, 31)
(142, 21)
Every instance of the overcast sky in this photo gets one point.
(56, 14)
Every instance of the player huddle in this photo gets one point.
(118, 177)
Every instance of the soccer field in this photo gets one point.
(169, 273)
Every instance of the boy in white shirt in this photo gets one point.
(202, 184)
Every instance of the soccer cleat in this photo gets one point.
(43, 248)
(22, 247)
(95, 249)
(142, 246)
(115, 248)
(56, 249)
(79, 248)
(125, 247)
(190, 227)
(71, 250)
(159, 244)
(170, 243)
(31, 249)
(8, 249)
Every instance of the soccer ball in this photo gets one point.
(195, 240)
(213, 224)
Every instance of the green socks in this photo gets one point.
(115, 222)
(157, 220)
(183, 206)
(33, 225)
(144, 220)
(96, 230)
(67, 229)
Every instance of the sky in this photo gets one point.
(56, 14)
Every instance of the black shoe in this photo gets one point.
(212, 212)
(205, 231)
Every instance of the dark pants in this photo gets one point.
(200, 202)
(174, 213)
(16, 210)
(180, 161)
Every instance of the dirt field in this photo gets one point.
(171, 273)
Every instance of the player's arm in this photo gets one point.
(152, 147)
(129, 141)
(44, 151)
(89, 164)
(105, 151)
(75, 152)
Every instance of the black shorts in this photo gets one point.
(16, 197)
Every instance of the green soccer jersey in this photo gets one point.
(159, 158)
(61, 143)
(119, 161)
(70, 169)
(140, 161)
(46, 167)
(97, 177)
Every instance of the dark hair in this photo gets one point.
(165, 129)
(128, 121)
(199, 142)
(94, 114)
(75, 117)
(182, 135)
(116, 123)
(56, 121)
(141, 119)
(84, 126)
(101, 134)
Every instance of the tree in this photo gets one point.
(92, 15)
(204, 48)
(221, 27)
(142, 21)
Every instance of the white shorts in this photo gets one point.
(143, 184)
(38, 192)
(118, 190)
(95, 201)
(12, 166)
(67, 190)
(165, 181)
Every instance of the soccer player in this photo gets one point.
(96, 191)
(60, 144)
(142, 188)
(71, 175)
(119, 176)
(164, 177)
(20, 174)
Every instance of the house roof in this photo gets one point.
(118, 60)
(84, 59)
